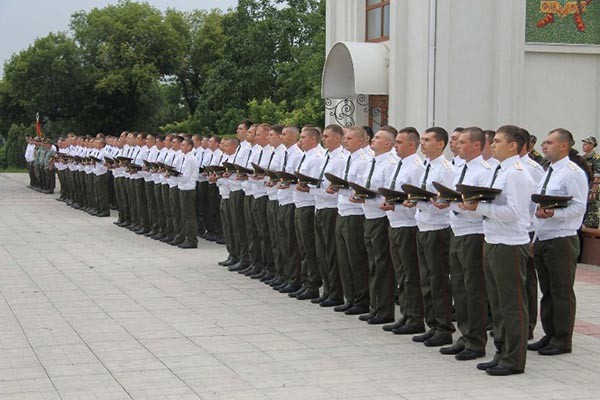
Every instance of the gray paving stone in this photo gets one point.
(92, 311)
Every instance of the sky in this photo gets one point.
(22, 21)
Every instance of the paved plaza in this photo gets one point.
(92, 311)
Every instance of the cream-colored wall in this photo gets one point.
(485, 75)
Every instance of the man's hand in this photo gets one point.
(387, 207)
(544, 213)
(409, 203)
(438, 205)
(356, 200)
(302, 187)
(468, 206)
(332, 189)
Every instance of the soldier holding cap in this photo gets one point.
(557, 245)
(505, 227)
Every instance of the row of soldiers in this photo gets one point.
(39, 156)
(350, 222)
(347, 223)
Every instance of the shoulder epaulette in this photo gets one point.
(392, 160)
(572, 165)
(418, 160)
(363, 155)
(485, 164)
(446, 164)
(518, 165)
(534, 163)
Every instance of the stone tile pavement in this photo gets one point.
(92, 311)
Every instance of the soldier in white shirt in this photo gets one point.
(229, 146)
(288, 245)
(505, 225)
(187, 196)
(236, 200)
(381, 270)
(466, 252)
(199, 150)
(304, 215)
(173, 182)
(349, 230)
(29, 158)
(259, 204)
(433, 242)
(557, 246)
(274, 164)
(101, 181)
(536, 171)
(403, 235)
(325, 218)
(167, 229)
(214, 230)
(457, 161)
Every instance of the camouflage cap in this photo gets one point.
(590, 140)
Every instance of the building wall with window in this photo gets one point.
(455, 62)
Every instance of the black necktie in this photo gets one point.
(546, 181)
(248, 159)
(285, 156)
(495, 175)
(462, 174)
(453, 162)
(424, 183)
(301, 161)
(370, 173)
(393, 185)
(260, 156)
(236, 153)
(347, 167)
(323, 170)
(271, 159)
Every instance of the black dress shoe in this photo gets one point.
(231, 262)
(468, 354)
(331, 303)
(379, 320)
(297, 292)
(220, 240)
(485, 365)
(247, 269)
(222, 263)
(279, 286)
(150, 234)
(407, 329)
(118, 223)
(552, 350)
(357, 309)
(342, 307)
(452, 350)
(103, 214)
(368, 316)
(253, 271)
(237, 266)
(424, 337)
(289, 288)
(499, 370)
(320, 299)
(535, 346)
(395, 325)
(308, 294)
(188, 245)
(439, 339)
(266, 277)
(258, 275)
(277, 282)
(166, 239)
(143, 231)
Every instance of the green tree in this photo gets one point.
(45, 78)
(14, 149)
(127, 47)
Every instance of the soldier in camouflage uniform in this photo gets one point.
(534, 154)
(593, 204)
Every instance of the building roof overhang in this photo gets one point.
(353, 68)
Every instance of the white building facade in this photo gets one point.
(454, 63)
